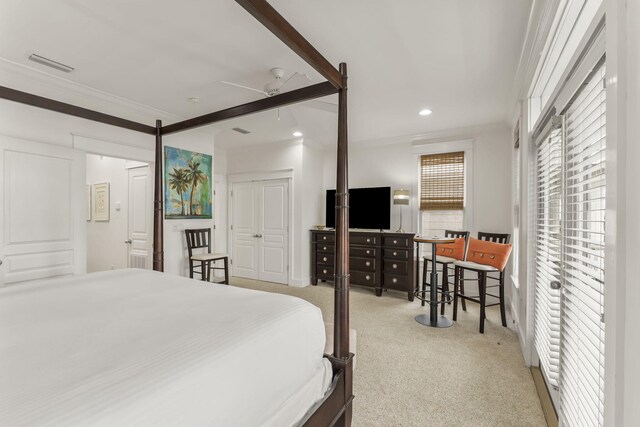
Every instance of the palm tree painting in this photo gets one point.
(187, 177)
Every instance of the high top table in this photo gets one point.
(432, 319)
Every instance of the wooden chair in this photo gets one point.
(446, 262)
(200, 238)
(482, 270)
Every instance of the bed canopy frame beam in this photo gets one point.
(72, 110)
(299, 95)
(279, 27)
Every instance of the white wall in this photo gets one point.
(35, 124)
(106, 249)
(305, 160)
(397, 166)
(175, 243)
(379, 166)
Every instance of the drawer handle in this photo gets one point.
(324, 248)
(324, 271)
(395, 266)
(368, 240)
(367, 277)
(394, 280)
(325, 258)
(395, 253)
(368, 263)
(324, 237)
(368, 252)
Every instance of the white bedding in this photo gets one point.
(135, 347)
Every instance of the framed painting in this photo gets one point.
(101, 204)
(187, 184)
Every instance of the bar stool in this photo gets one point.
(200, 238)
(487, 254)
(446, 262)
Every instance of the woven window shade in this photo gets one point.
(442, 181)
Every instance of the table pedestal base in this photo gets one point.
(441, 322)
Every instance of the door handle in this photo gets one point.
(128, 241)
(257, 236)
(555, 285)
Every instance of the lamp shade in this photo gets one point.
(401, 197)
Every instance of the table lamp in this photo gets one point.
(400, 197)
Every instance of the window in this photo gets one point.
(441, 192)
(569, 249)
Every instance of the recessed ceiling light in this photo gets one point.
(297, 134)
(194, 100)
(425, 112)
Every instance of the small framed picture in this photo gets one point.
(101, 201)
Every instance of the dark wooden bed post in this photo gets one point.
(341, 306)
(342, 358)
(158, 226)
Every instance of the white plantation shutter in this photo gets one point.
(547, 266)
(582, 368)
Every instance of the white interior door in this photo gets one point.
(42, 215)
(244, 197)
(260, 230)
(273, 241)
(139, 223)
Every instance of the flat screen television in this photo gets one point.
(369, 208)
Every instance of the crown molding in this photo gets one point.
(468, 132)
(17, 76)
(541, 20)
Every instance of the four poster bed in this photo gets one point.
(105, 382)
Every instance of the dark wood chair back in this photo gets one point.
(198, 238)
(456, 234)
(495, 237)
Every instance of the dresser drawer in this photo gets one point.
(363, 278)
(363, 240)
(325, 247)
(396, 242)
(362, 264)
(325, 258)
(362, 252)
(395, 267)
(402, 254)
(392, 281)
(325, 238)
(325, 272)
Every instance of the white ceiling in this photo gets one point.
(456, 57)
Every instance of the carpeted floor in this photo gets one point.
(412, 375)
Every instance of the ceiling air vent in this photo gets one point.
(242, 131)
(50, 63)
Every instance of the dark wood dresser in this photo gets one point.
(376, 259)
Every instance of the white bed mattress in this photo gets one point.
(135, 347)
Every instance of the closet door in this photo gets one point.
(260, 234)
(42, 211)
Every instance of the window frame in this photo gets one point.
(421, 148)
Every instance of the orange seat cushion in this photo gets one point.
(452, 250)
(489, 253)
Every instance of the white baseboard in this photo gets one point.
(300, 283)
